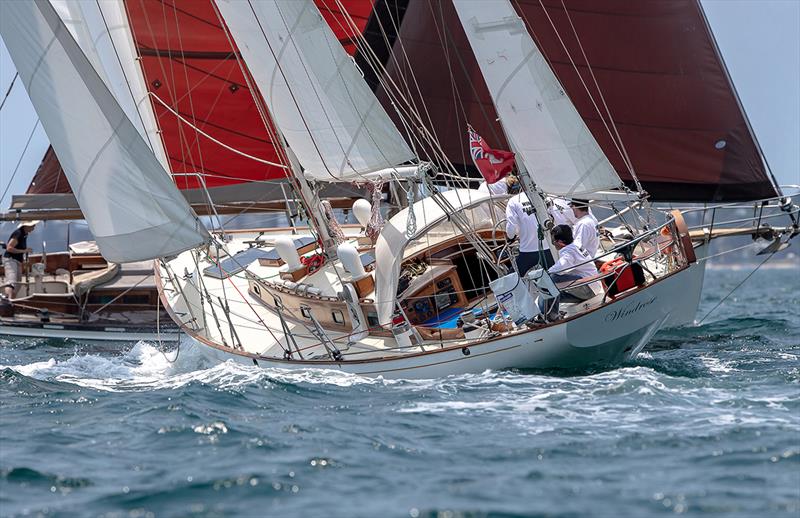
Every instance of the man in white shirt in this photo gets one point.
(499, 188)
(560, 211)
(573, 264)
(585, 228)
(521, 221)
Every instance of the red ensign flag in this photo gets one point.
(493, 164)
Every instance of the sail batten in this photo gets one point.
(539, 119)
(316, 95)
(131, 205)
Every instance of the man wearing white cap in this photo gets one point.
(16, 248)
(584, 229)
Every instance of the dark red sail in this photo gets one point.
(49, 177)
(657, 66)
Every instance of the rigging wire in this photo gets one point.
(736, 287)
(21, 156)
(625, 156)
(8, 92)
(405, 105)
(580, 76)
(147, 135)
(160, 60)
(275, 139)
(190, 90)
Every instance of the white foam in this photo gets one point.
(715, 364)
(146, 367)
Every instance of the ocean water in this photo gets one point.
(705, 423)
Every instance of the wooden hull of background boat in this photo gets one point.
(606, 336)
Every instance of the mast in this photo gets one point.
(534, 194)
(311, 202)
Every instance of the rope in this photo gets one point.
(736, 288)
(336, 231)
(376, 222)
(212, 139)
(411, 219)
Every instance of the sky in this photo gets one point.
(759, 41)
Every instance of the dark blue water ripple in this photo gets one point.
(706, 422)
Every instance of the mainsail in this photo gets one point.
(130, 203)
(538, 117)
(316, 95)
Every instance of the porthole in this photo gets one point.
(338, 316)
(305, 311)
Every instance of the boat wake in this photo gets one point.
(145, 367)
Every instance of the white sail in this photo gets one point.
(104, 34)
(130, 203)
(541, 122)
(315, 94)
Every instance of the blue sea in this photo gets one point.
(706, 422)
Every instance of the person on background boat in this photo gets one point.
(501, 187)
(585, 228)
(16, 248)
(521, 221)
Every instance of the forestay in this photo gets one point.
(316, 95)
(541, 122)
(131, 205)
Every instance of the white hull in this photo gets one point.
(607, 336)
(686, 313)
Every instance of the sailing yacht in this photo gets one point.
(430, 292)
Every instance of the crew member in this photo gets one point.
(560, 211)
(521, 221)
(573, 264)
(573, 261)
(16, 248)
(505, 185)
(585, 227)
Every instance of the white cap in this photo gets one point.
(29, 223)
